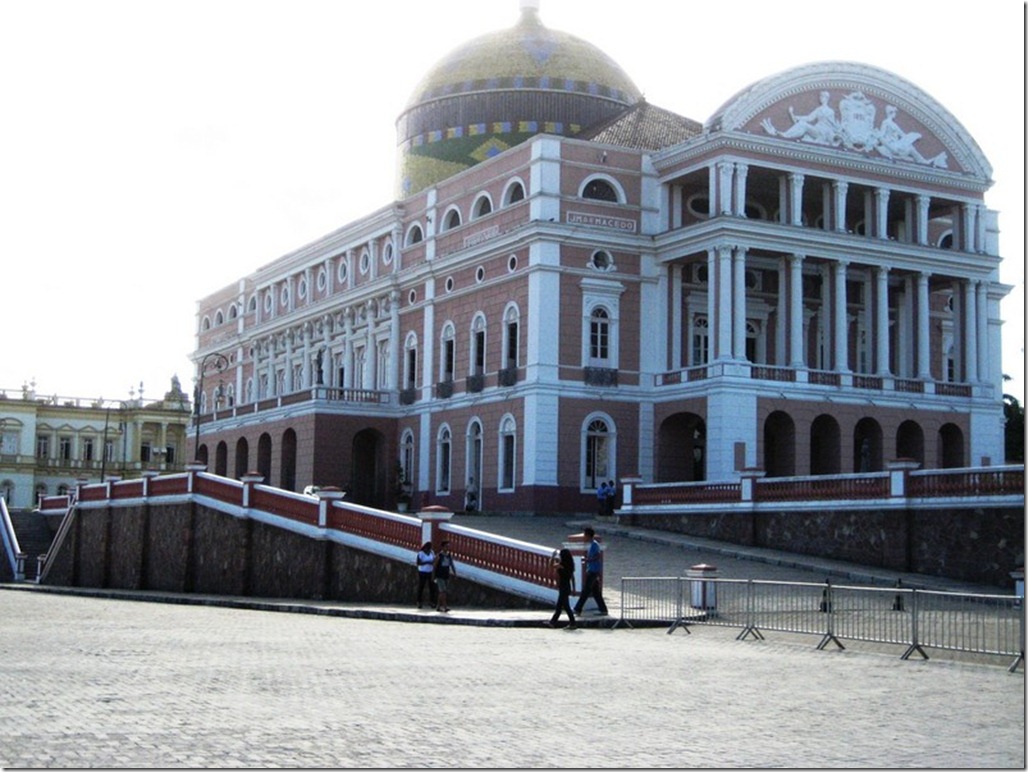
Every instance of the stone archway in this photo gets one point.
(779, 445)
(287, 461)
(951, 447)
(825, 446)
(368, 469)
(867, 446)
(910, 441)
(681, 449)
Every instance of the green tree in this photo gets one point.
(1013, 415)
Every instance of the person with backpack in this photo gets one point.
(445, 570)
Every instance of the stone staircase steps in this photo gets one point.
(34, 538)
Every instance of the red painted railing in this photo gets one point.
(529, 563)
(127, 489)
(229, 491)
(168, 486)
(871, 486)
(302, 509)
(688, 493)
(966, 482)
(397, 530)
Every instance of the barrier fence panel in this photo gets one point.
(789, 607)
(651, 599)
(981, 624)
(873, 614)
(917, 619)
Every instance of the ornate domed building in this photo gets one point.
(576, 286)
(500, 89)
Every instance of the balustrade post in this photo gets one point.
(628, 493)
(81, 482)
(432, 517)
(193, 469)
(249, 480)
(748, 482)
(899, 474)
(326, 496)
(148, 475)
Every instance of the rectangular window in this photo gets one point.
(144, 452)
(507, 474)
(170, 457)
(42, 447)
(512, 344)
(109, 450)
(479, 352)
(599, 343)
(448, 361)
(444, 468)
(87, 449)
(64, 448)
(412, 368)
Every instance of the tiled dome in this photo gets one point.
(498, 90)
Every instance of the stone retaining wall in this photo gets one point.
(969, 544)
(194, 549)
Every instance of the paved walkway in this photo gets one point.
(98, 682)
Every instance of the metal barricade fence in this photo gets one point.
(978, 624)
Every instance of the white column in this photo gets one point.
(393, 367)
(348, 351)
(882, 320)
(272, 382)
(923, 364)
(725, 169)
(676, 316)
(839, 204)
(676, 206)
(882, 213)
(796, 354)
(781, 315)
(739, 304)
(288, 380)
(724, 302)
(306, 365)
(841, 328)
(712, 294)
(982, 307)
(980, 240)
(970, 332)
(741, 170)
(713, 186)
(922, 219)
(967, 212)
(795, 198)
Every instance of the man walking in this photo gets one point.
(591, 587)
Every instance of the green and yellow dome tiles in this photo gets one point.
(501, 89)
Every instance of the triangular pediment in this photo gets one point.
(854, 109)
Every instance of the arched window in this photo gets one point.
(410, 361)
(414, 235)
(251, 307)
(599, 337)
(452, 219)
(219, 318)
(477, 365)
(233, 311)
(600, 189)
(508, 454)
(511, 332)
(407, 460)
(515, 192)
(473, 466)
(483, 206)
(700, 341)
(598, 452)
(443, 450)
(447, 351)
(205, 324)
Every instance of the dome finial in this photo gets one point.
(529, 7)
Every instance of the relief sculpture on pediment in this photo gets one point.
(854, 129)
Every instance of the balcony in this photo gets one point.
(507, 376)
(475, 383)
(444, 389)
(600, 376)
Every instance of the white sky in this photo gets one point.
(153, 151)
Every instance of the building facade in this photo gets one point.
(578, 286)
(48, 444)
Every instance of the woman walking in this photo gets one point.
(564, 565)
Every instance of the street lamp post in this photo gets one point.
(220, 363)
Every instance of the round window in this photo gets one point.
(480, 274)
(512, 263)
(449, 284)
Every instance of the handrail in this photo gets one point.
(10, 539)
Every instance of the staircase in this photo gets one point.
(34, 538)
